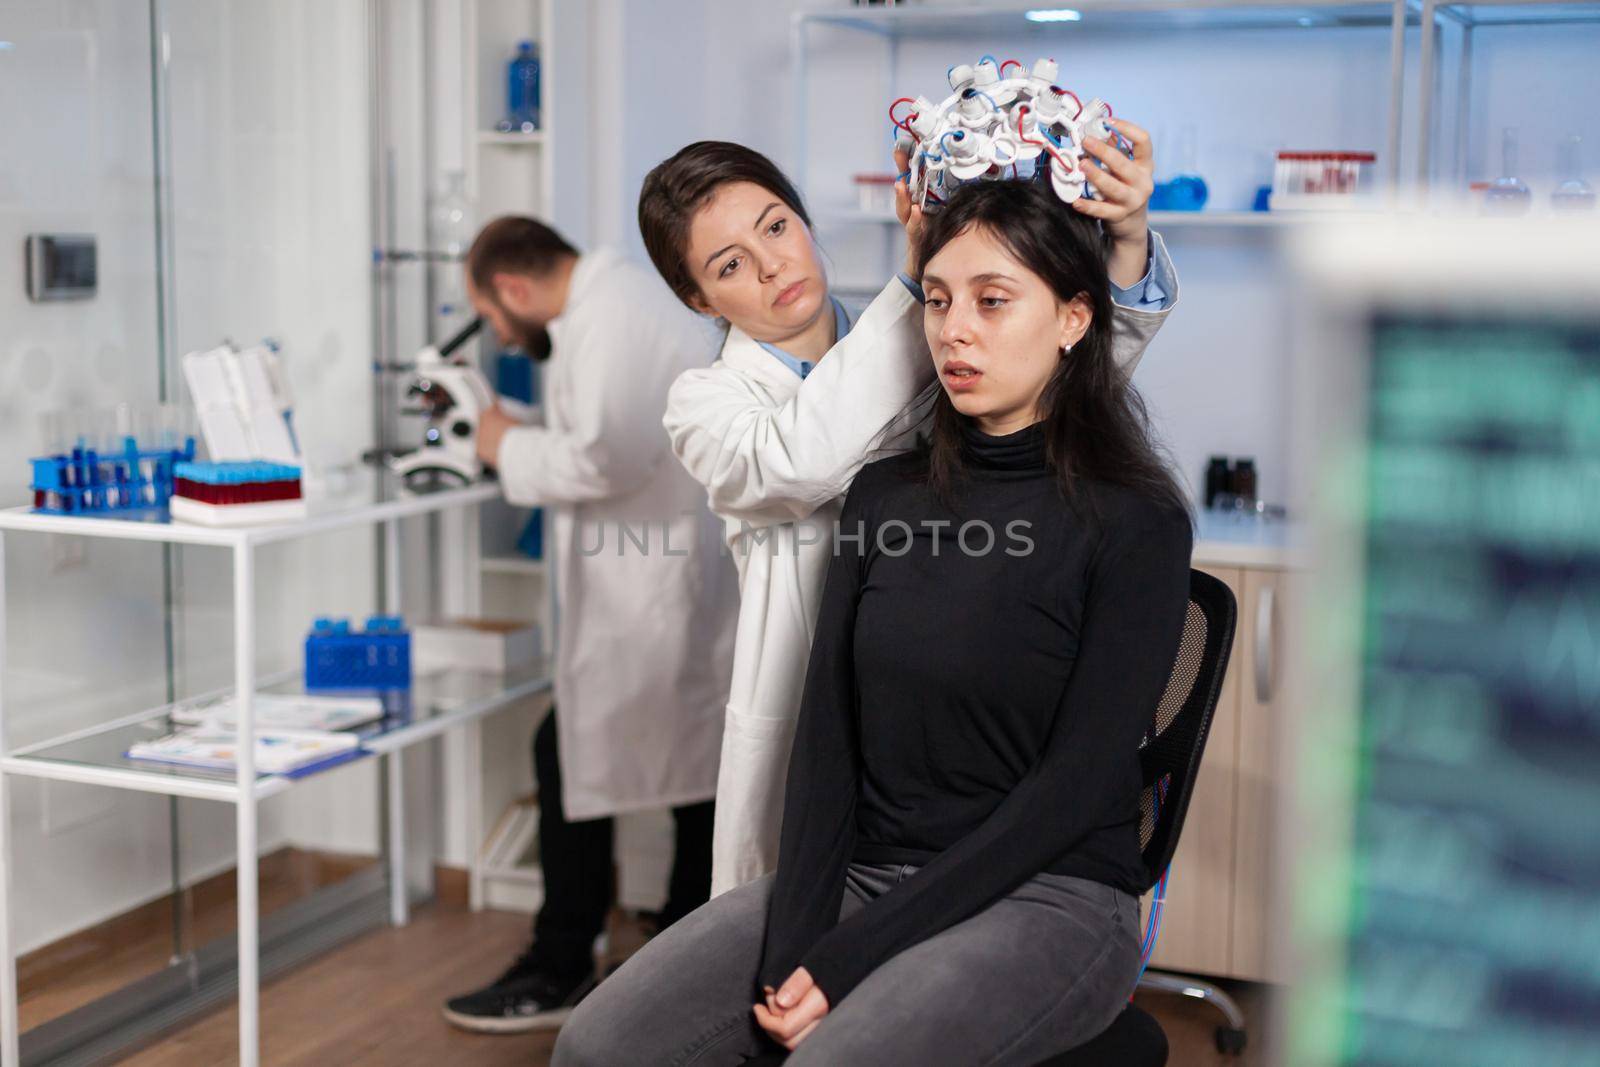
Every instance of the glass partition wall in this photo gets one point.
(217, 153)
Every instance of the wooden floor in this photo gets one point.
(376, 1001)
(86, 966)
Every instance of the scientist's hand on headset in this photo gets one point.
(909, 214)
(1124, 186)
(492, 427)
(791, 1013)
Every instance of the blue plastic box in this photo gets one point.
(378, 657)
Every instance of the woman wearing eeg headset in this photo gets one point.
(799, 397)
(960, 846)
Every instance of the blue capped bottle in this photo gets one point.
(522, 90)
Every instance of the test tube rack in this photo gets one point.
(84, 482)
(377, 657)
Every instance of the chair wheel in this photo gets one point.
(1230, 1042)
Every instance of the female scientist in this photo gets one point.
(960, 848)
(777, 427)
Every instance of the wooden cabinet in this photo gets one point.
(1197, 922)
(1260, 792)
(1219, 900)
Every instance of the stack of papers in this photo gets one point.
(514, 841)
(277, 711)
(276, 751)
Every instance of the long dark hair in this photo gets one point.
(1096, 425)
(676, 188)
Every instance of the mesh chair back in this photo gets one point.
(1169, 756)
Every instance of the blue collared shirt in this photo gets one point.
(803, 367)
(1149, 293)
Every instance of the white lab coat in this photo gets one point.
(644, 636)
(771, 450)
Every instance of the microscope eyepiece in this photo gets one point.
(462, 337)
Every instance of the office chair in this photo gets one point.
(1169, 759)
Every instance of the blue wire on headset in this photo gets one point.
(967, 94)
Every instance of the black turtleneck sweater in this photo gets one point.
(975, 713)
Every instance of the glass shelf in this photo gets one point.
(1159, 220)
(511, 138)
(1513, 13)
(438, 701)
(933, 22)
(526, 566)
(360, 498)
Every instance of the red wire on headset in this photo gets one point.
(1009, 63)
(902, 123)
(1022, 113)
(1068, 92)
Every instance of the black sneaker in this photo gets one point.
(522, 999)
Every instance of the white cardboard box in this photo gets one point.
(498, 645)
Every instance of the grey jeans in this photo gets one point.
(1036, 973)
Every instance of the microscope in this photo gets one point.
(452, 395)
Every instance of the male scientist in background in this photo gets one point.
(645, 600)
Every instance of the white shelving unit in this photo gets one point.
(442, 702)
(508, 173)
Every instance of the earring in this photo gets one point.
(1064, 350)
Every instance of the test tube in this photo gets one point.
(121, 454)
(170, 440)
(78, 449)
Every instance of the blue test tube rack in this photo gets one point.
(84, 482)
(377, 657)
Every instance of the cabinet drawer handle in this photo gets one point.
(1265, 608)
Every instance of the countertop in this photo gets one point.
(1228, 541)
